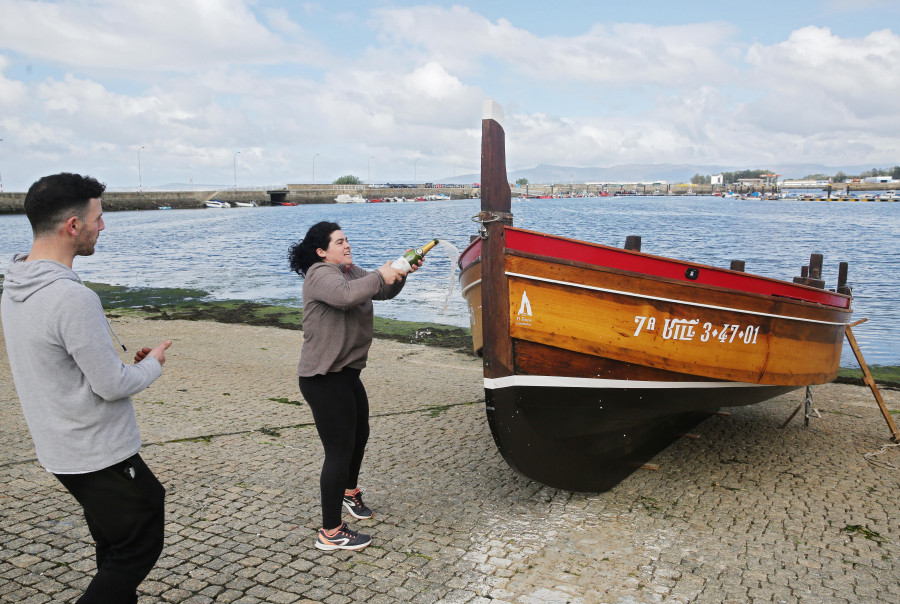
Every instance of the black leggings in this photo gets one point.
(340, 408)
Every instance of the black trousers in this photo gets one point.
(340, 409)
(124, 508)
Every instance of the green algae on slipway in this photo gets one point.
(193, 305)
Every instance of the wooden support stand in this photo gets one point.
(870, 381)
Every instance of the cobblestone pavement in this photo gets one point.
(747, 512)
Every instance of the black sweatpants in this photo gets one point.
(340, 409)
(124, 508)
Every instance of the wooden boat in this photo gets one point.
(596, 357)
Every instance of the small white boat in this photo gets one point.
(215, 203)
(344, 198)
(246, 204)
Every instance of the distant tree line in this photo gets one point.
(733, 177)
(894, 173)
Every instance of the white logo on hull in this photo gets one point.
(524, 315)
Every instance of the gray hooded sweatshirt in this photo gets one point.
(74, 390)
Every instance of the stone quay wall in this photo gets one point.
(12, 203)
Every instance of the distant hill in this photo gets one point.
(669, 173)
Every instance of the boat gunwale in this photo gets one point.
(716, 270)
(815, 306)
(807, 305)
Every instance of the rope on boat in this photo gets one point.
(885, 465)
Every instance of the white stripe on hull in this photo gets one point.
(571, 382)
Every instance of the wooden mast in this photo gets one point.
(495, 215)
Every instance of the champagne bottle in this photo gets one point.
(405, 262)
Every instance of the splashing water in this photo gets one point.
(453, 254)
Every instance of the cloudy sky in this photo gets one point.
(272, 91)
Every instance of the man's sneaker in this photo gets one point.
(357, 508)
(345, 538)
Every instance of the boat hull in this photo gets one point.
(589, 437)
(608, 366)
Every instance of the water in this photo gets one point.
(241, 252)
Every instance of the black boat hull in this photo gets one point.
(584, 438)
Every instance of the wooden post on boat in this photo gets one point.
(633, 242)
(815, 272)
(842, 287)
(870, 381)
(495, 215)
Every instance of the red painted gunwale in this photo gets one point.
(563, 248)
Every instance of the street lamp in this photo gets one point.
(370, 169)
(235, 169)
(140, 178)
(314, 167)
(415, 172)
(454, 170)
(1, 176)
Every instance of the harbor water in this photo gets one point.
(241, 253)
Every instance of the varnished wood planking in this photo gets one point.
(603, 324)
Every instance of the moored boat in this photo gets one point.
(345, 198)
(215, 203)
(596, 357)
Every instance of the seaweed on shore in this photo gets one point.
(886, 376)
(192, 305)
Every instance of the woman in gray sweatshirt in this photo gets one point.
(337, 334)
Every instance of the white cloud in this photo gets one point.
(163, 35)
(463, 41)
(818, 81)
(12, 93)
(194, 82)
(431, 81)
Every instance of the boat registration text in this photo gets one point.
(689, 329)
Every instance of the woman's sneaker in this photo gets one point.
(345, 538)
(357, 508)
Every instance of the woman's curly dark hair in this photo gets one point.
(302, 254)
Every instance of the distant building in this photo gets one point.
(717, 179)
(752, 182)
(879, 179)
(622, 183)
(805, 184)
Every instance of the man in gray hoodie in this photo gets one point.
(75, 391)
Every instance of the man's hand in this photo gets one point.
(159, 353)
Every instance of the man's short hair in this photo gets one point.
(54, 199)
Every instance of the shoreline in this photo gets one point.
(161, 304)
(115, 201)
